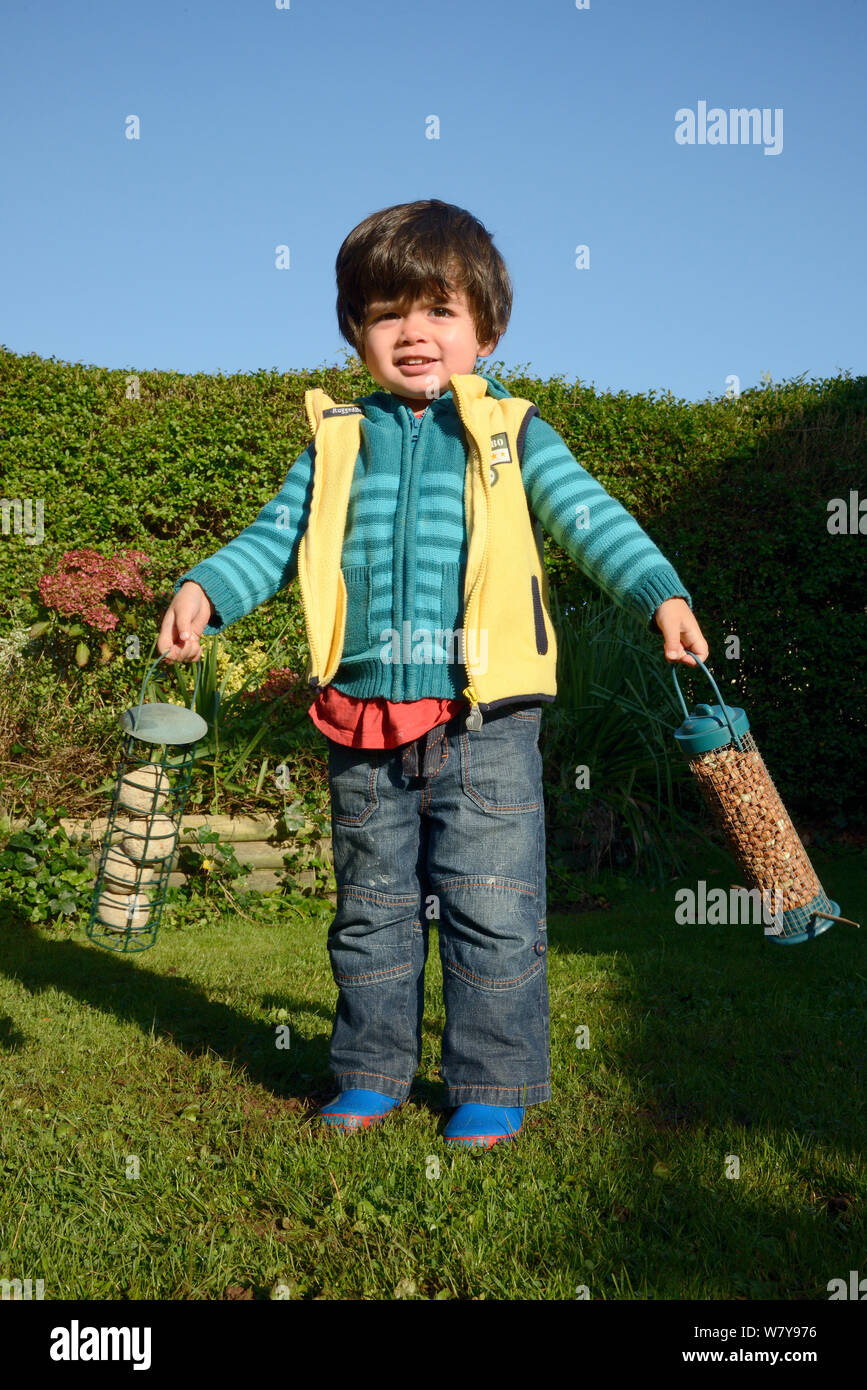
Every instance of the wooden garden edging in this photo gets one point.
(251, 837)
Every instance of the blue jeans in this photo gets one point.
(458, 814)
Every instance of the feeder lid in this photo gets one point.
(163, 724)
(707, 728)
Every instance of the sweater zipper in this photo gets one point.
(474, 718)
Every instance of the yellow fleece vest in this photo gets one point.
(505, 585)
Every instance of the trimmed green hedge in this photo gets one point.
(734, 492)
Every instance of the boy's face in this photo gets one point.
(440, 330)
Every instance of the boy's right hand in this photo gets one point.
(185, 620)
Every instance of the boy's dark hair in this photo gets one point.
(409, 251)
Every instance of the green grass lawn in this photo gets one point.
(705, 1043)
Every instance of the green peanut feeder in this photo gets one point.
(144, 790)
(150, 839)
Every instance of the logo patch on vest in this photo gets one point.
(500, 448)
(342, 410)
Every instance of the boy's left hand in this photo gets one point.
(680, 631)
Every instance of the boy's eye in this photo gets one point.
(390, 313)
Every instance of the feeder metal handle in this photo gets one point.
(150, 672)
(722, 702)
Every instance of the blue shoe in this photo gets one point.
(484, 1124)
(357, 1109)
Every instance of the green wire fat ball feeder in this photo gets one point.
(740, 794)
(144, 820)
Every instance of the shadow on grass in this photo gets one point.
(720, 1043)
(722, 1026)
(173, 1008)
(745, 1010)
(179, 1011)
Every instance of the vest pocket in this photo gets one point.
(538, 617)
(357, 636)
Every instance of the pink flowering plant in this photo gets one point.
(92, 588)
(281, 680)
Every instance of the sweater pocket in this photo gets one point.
(357, 636)
(451, 610)
(451, 597)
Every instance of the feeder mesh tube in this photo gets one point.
(741, 796)
(128, 918)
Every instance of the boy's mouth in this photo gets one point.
(412, 366)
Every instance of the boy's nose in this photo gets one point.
(414, 322)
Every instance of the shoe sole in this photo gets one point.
(354, 1121)
(486, 1141)
(336, 1119)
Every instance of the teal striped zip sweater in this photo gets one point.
(405, 545)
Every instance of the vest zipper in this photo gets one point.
(303, 580)
(474, 718)
(314, 663)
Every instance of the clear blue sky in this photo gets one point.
(263, 126)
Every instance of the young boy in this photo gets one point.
(437, 807)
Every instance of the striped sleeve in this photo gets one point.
(596, 531)
(263, 559)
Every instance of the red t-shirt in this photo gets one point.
(379, 723)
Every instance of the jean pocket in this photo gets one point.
(352, 781)
(531, 714)
(501, 766)
(357, 637)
